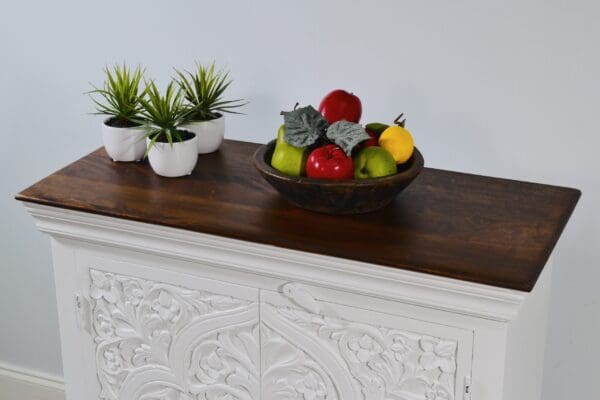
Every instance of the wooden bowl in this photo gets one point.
(352, 196)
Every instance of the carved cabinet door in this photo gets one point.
(315, 350)
(154, 334)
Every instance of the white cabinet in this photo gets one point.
(148, 312)
(150, 333)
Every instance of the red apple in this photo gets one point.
(374, 141)
(340, 105)
(329, 162)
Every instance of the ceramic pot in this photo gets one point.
(123, 144)
(171, 161)
(210, 133)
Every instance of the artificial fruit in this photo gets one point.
(373, 141)
(374, 130)
(329, 162)
(339, 105)
(398, 141)
(373, 162)
(286, 158)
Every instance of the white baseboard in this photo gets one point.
(22, 384)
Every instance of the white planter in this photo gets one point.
(124, 144)
(210, 133)
(174, 160)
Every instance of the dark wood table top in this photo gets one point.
(488, 230)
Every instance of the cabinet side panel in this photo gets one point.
(527, 343)
(489, 356)
(75, 365)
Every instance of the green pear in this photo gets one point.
(373, 162)
(288, 159)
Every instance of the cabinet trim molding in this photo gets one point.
(466, 298)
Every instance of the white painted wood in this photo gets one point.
(160, 334)
(310, 347)
(21, 384)
(316, 310)
(78, 368)
(490, 335)
(489, 362)
(409, 287)
(526, 343)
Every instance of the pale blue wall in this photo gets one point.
(506, 88)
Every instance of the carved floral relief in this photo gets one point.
(385, 363)
(156, 341)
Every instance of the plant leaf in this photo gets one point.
(203, 91)
(303, 126)
(347, 135)
(119, 96)
(163, 114)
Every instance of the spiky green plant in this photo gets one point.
(119, 97)
(204, 91)
(163, 115)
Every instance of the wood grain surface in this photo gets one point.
(488, 230)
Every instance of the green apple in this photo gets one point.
(288, 159)
(373, 162)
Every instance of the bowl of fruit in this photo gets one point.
(325, 161)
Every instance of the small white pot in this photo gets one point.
(124, 144)
(210, 133)
(174, 160)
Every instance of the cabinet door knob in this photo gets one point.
(300, 296)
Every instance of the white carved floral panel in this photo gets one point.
(290, 373)
(310, 356)
(156, 341)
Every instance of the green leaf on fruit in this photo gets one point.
(377, 127)
(347, 135)
(303, 126)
